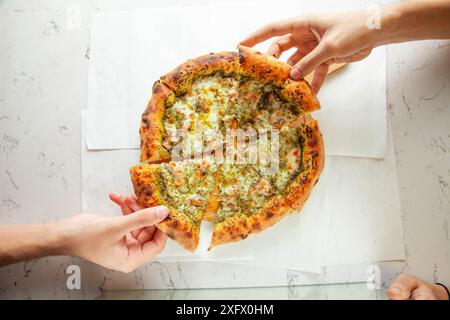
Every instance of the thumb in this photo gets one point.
(321, 53)
(143, 218)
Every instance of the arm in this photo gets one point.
(413, 20)
(121, 243)
(321, 40)
(25, 242)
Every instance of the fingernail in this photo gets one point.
(395, 293)
(295, 74)
(161, 212)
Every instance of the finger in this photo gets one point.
(130, 206)
(295, 57)
(319, 77)
(280, 45)
(146, 234)
(131, 241)
(155, 246)
(126, 209)
(131, 201)
(423, 293)
(402, 287)
(321, 53)
(120, 201)
(117, 199)
(278, 28)
(143, 218)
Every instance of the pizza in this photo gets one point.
(202, 106)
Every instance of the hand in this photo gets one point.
(129, 205)
(319, 40)
(410, 287)
(118, 243)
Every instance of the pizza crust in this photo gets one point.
(273, 71)
(181, 78)
(152, 128)
(146, 187)
(239, 227)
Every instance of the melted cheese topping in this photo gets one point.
(188, 183)
(214, 104)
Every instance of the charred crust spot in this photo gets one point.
(157, 88)
(170, 235)
(145, 123)
(312, 142)
(256, 226)
(269, 214)
(152, 107)
(243, 236)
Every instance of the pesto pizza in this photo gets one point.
(200, 106)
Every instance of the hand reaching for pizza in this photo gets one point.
(118, 243)
(347, 37)
(128, 205)
(319, 40)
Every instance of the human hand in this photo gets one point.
(128, 205)
(119, 243)
(410, 287)
(319, 40)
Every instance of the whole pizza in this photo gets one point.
(214, 106)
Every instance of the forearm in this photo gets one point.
(24, 242)
(411, 20)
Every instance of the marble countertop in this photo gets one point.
(44, 56)
(315, 292)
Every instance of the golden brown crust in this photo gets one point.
(180, 79)
(268, 69)
(152, 129)
(239, 227)
(145, 179)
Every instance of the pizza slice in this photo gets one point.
(184, 187)
(254, 198)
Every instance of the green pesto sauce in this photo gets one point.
(214, 103)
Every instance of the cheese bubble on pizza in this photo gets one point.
(228, 138)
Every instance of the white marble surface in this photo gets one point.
(44, 52)
(328, 292)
